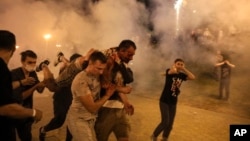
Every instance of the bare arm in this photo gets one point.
(86, 57)
(189, 74)
(120, 88)
(175, 69)
(219, 64)
(124, 89)
(66, 77)
(129, 108)
(93, 106)
(17, 111)
(230, 64)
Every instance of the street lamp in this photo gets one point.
(46, 37)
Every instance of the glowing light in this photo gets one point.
(47, 36)
(177, 7)
(17, 47)
(58, 45)
(178, 4)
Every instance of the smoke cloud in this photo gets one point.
(76, 26)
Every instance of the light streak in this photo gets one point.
(177, 7)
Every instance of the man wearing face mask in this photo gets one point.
(25, 81)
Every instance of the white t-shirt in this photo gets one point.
(84, 84)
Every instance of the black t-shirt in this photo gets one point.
(18, 74)
(7, 131)
(172, 87)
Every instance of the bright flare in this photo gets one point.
(177, 7)
(47, 36)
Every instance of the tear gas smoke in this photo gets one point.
(76, 26)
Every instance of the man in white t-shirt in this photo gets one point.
(86, 102)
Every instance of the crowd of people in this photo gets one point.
(89, 94)
(86, 86)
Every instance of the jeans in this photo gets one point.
(168, 113)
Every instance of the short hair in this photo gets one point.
(125, 44)
(7, 40)
(74, 56)
(98, 55)
(178, 60)
(27, 53)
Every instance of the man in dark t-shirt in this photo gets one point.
(9, 109)
(25, 81)
(6, 128)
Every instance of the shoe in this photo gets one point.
(42, 134)
(40, 66)
(58, 60)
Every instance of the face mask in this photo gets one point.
(29, 68)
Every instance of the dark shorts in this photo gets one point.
(111, 120)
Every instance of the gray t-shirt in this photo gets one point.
(84, 84)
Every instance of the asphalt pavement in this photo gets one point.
(191, 123)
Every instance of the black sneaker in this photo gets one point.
(58, 60)
(42, 134)
(39, 67)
